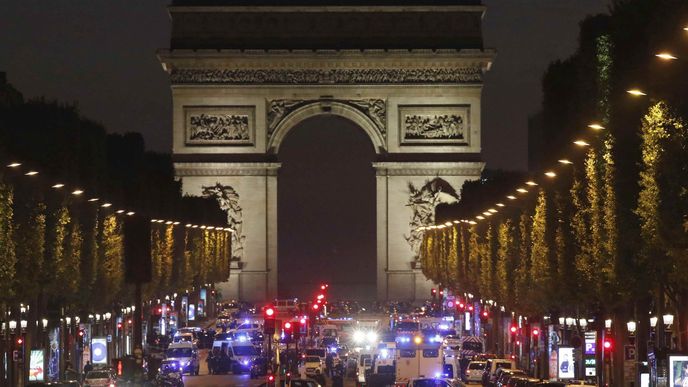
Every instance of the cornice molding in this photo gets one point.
(226, 169)
(329, 8)
(461, 75)
(461, 168)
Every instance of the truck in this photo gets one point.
(471, 346)
(419, 357)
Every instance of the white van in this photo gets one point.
(241, 353)
(187, 355)
(419, 360)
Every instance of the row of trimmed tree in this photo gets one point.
(608, 236)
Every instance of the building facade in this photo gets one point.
(243, 76)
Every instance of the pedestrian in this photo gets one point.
(88, 367)
(209, 360)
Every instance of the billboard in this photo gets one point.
(678, 371)
(99, 350)
(36, 365)
(191, 316)
(566, 369)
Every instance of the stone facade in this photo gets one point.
(420, 109)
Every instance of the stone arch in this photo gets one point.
(336, 108)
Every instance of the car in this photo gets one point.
(312, 365)
(433, 382)
(259, 367)
(452, 342)
(504, 375)
(521, 381)
(545, 383)
(187, 355)
(99, 378)
(492, 365)
(474, 371)
(184, 338)
(294, 383)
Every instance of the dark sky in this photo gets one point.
(101, 54)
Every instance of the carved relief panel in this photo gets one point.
(220, 125)
(429, 125)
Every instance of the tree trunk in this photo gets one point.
(682, 321)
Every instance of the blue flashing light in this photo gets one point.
(443, 327)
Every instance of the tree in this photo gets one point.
(8, 257)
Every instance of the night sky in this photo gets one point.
(101, 54)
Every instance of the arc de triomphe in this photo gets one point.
(244, 73)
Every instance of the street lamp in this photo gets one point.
(45, 323)
(653, 321)
(583, 323)
(631, 325)
(23, 324)
(668, 319)
(636, 92)
(13, 325)
(666, 56)
(608, 324)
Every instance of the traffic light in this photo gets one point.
(513, 329)
(608, 345)
(119, 325)
(20, 341)
(485, 315)
(536, 332)
(287, 330)
(269, 320)
(460, 306)
(300, 328)
(316, 307)
(271, 380)
(433, 292)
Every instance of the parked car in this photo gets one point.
(99, 378)
(504, 375)
(490, 373)
(474, 372)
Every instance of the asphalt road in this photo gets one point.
(204, 379)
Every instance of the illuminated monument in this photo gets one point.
(408, 73)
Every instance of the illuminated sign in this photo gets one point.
(99, 353)
(678, 370)
(192, 312)
(590, 339)
(36, 365)
(566, 367)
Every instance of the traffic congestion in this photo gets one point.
(318, 342)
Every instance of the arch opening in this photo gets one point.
(326, 184)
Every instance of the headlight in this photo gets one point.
(245, 362)
(372, 337)
(359, 336)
